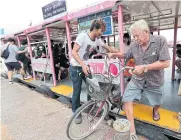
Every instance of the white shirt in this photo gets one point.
(86, 47)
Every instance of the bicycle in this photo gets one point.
(101, 89)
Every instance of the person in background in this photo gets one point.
(56, 58)
(23, 57)
(29, 63)
(101, 49)
(43, 55)
(126, 41)
(64, 64)
(11, 62)
(129, 63)
(178, 50)
(178, 59)
(4, 70)
(38, 52)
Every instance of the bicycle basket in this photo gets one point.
(98, 90)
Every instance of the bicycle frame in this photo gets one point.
(103, 68)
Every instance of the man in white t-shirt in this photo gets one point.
(85, 43)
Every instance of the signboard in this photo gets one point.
(2, 31)
(99, 67)
(41, 65)
(54, 8)
(85, 22)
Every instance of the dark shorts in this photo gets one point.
(13, 65)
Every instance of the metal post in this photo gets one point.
(19, 43)
(174, 48)
(121, 46)
(108, 40)
(31, 54)
(68, 39)
(51, 56)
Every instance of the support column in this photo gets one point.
(19, 43)
(108, 40)
(51, 56)
(68, 39)
(31, 54)
(174, 48)
(121, 46)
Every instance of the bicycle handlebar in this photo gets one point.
(100, 54)
(108, 67)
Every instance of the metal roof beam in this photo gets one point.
(37, 32)
(177, 8)
(155, 19)
(156, 7)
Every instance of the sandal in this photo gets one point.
(179, 113)
(156, 117)
(133, 136)
(179, 118)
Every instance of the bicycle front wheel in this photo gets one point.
(92, 113)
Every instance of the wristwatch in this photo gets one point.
(145, 68)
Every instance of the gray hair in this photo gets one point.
(140, 24)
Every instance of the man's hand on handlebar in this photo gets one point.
(86, 70)
(139, 70)
(110, 55)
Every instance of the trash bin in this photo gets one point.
(122, 128)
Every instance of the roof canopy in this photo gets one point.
(159, 14)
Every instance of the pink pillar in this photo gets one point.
(51, 56)
(174, 48)
(108, 40)
(19, 43)
(69, 39)
(121, 45)
(31, 54)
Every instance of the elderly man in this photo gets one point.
(151, 56)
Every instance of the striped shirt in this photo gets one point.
(157, 51)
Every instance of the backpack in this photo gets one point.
(5, 53)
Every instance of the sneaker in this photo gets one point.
(27, 77)
(78, 120)
(10, 82)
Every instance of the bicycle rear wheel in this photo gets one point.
(92, 115)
